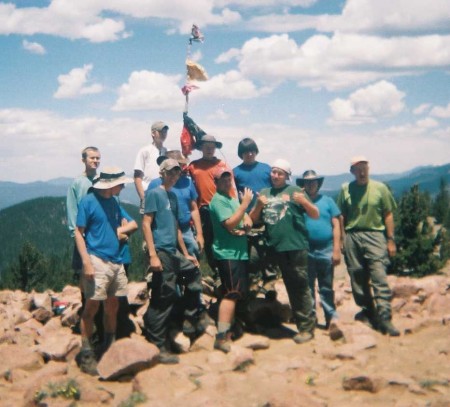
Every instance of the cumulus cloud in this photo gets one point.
(53, 143)
(33, 47)
(146, 90)
(74, 84)
(339, 61)
(368, 105)
(421, 109)
(86, 19)
(371, 17)
(442, 112)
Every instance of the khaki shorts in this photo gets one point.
(109, 280)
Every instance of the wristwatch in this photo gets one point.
(391, 238)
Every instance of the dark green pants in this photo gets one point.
(366, 258)
(294, 269)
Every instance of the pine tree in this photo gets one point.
(441, 206)
(29, 272)
(416, 244)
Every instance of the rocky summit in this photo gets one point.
(38, 345)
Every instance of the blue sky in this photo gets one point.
(314, 82)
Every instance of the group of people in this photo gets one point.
(250, 219)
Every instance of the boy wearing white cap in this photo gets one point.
(282, 209)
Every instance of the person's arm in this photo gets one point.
(342, 224)
(390, 228)
(154, 261)
(88, 269)
(255, 213)
(233, 221)
(335, 223)
(183, 247)
(138, 176)
(195, 214)
(311, 209)
(126, 229)
(72, 209)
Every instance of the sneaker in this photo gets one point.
(335, 332)
(303, 337)
(167, 358)
(223, 345)
(386, 327)
(86, 362)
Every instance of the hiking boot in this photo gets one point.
(335, 332)
(387, 328)
(86, 362)
(303, 337)
(367, 318)
(223, 342)
(167, 358)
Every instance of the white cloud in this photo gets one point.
(53, 144)
(219, 114)
(340, 61)
(427, 123)
(364, 16)
(367, 105)
(85, 19)
(442, 112)
(147, 90)
(421, 109)
(33, 47)
(74, 83)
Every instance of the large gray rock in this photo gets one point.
(127, 357)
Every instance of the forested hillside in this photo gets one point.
(36, 232)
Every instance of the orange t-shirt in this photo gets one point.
(202, 172)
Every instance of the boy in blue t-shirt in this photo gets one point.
(99, 229)
(255, 175)
(170, 269)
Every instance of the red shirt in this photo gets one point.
(202, 172)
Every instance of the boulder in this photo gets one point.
(127, 357)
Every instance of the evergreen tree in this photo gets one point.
(416, 244)
(441, 206)
(29, 272)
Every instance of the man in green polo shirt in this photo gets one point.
(367, 217)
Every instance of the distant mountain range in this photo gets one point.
(428, 179)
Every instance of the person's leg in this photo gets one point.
(111, 306)
(325, 277)
(234, 277)
(163, 297)
(312, 277)
(193, 313)
(293, 265)
(87, 322)
(208, 236)
(377, 258)
(360, 277)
